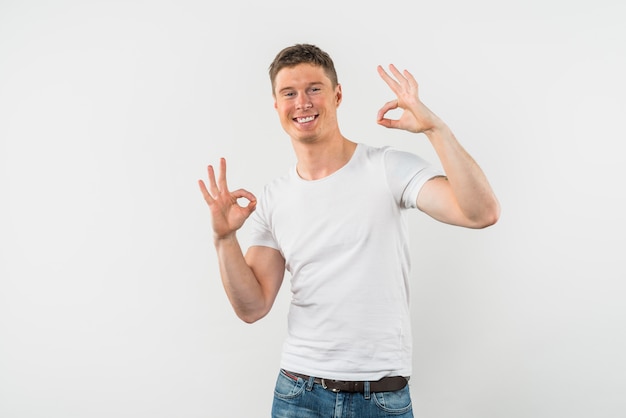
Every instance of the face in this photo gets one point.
(306, 103)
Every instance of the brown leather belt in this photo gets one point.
(386, 384)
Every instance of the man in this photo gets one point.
(336, 222)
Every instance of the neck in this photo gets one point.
(319, 160)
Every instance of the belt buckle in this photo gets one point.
(325, 386)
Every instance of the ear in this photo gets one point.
(338, 94)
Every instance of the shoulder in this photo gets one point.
(373, 154)
(384, 151)
(391, 157)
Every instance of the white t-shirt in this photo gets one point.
(345, 242)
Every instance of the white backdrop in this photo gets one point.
(110, 299)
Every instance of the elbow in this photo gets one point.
(487, 222)
(489, 217)
(250, 317)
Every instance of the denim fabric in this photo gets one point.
(304, 399)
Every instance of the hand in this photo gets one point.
(416, 116)
(227, 215)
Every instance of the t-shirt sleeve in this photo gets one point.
(406, 174)
(259, 226)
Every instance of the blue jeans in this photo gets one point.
(305, 399)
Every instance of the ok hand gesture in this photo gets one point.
(227, 215)
(416, 116)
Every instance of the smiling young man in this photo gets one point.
(306, 99)
(336, 222)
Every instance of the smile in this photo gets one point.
(305, 119)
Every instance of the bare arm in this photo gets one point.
(464, 197)
(251, 282)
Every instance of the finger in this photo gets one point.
(393, 84)
(412, 81)
(212, 183)
(205, 193)
(223, 186)
(405, 78)
(393, 104)
(396, 73)
(251, 207)
(243, 193)
(388, 123)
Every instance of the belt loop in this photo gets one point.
(366, 389)
(309, 383)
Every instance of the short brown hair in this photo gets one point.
(303, 54)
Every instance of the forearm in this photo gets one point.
(240, 283)
(468, 182)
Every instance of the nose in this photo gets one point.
(304, 103)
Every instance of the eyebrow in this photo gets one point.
(315, 83)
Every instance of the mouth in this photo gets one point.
(305, 119)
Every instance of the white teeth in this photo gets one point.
(307, 119)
